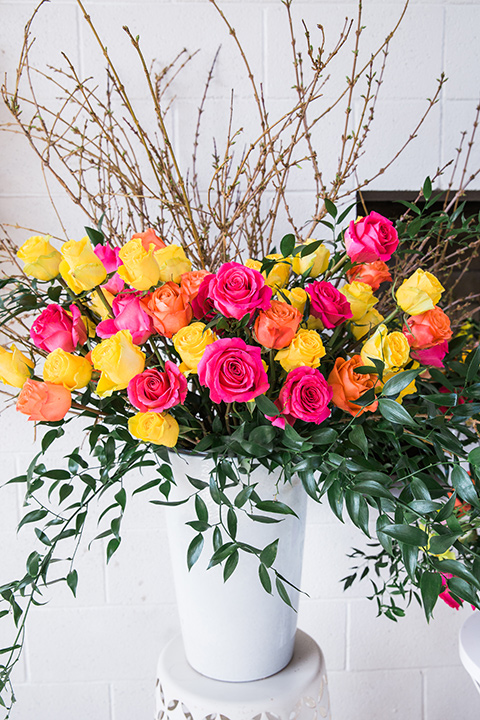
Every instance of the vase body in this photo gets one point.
(235, 631)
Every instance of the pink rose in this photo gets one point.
(202, 305)
(108, 256)
(432, 356)
(371, 238)
(233, 371)
(129, 315)
(328, 304)
(115, 285)
(155, 391)
(237, 290)
(56, 328)
(305, 396)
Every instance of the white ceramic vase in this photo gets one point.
(235, 631)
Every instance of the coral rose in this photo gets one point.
(328, 304)
(57, 328)
(190, 283)
(155, 391)
(15, 367)
(233, 371)
(71, 371)
(373, 274)
(305, 396)
(428, 329)
(154, 427)
(168, 309)
(172, 263)
(316, 262)
(371, 238)
(40, 257)
(360, 298)
(433, 356)
(237, 291)
(43, 401)
(80, 267)
(130, 315)
(190, 343)
(148, 238)
(419, 293)
(348, 385)
(306, 349)
(119, 360)
(139, 269)
(276, 327)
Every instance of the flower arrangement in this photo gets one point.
(344, 360)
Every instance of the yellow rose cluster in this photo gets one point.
(142, 269)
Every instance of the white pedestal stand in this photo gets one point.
(469, 647)
(298, 692)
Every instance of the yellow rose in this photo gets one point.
(314, 323)
(419, 293)
(361, 298)
(190, 343)
(391, 348)
(296, 297)
(317, 261)
(172, 262)
(157, 428)
(306, 348)
(40, 258)
(368, 321)
(63, 368)
(99, 307)
(253, 264)
(80, 268)
(279, 274)
(139, 269)
(119, 360)
(15, 367)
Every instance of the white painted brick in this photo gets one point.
(381, 695)
(377, 642)
(325, 621)
(450, 692)
(134, 699)
(462, 52)
(75, 701)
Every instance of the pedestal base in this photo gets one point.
(298, 692)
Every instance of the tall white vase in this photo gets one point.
(235, 631)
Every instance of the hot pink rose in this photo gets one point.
(108, 256)
(432, 356)
(129, 315)
(237, 290)
(202, 305)
(56, 328)
(115, 285)
(233, 371)
(371, 238)
(305, 396)
(328, 304)
(155, 391)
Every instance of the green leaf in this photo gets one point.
(266, 406)
(275, 506)
(357, 438)
(232, 523)
(384, 521)
(222, 553)
(265, 578)
(96, 237)
(462, 483)
(147, 486)
(194, 550)
(458, 569)
(262, 435)
(474, 457)
(243, 496)
(410, 559)
(357, 509)
(441, 543)
(463, 590)
(50, 436)
(201, 509)
(269, 553)
(399, 382)
(112, 547)
(325, 436)
(407, 534)
(427, 188)
(283, 592)
(447, 509)
(33, 516)
(393, 412)
(430, 587)
(373, 489)
(472, 363)
(230, 565)
(287, 244)
(121, 498)
(72, 581)
(330, 208)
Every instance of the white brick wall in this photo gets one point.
(95, 657)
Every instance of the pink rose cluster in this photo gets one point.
(371, 238)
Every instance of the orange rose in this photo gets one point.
(44, 401)
(191, 282)
(428, 329)
(348, 386)
(373, 274)
(276, 327)
(168, 309)
(149, 237)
